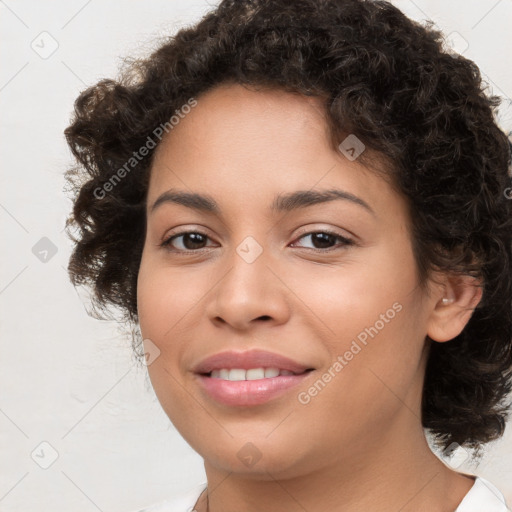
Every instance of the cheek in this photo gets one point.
(354, 295)
(373, 369)
(371, 312)
(165, 296)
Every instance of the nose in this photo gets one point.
(249, 291)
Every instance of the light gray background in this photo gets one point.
(67, 379)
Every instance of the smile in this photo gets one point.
(244, 388)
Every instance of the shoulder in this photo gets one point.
(483, 496)
(183, 503)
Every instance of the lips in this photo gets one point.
(248, 360)
(284, 375)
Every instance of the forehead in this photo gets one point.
(247, 145)
(232, 115)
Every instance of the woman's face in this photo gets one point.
(265, 275)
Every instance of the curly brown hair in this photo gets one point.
(383, 77)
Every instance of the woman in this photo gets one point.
(303, 208)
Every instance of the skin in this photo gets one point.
(358, 444)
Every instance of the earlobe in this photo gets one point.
(453, 307)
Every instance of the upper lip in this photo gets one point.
(249, 359)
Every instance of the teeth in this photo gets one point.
(272, 372)
(235, 374)
(255, 373)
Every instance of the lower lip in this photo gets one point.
(249, 392)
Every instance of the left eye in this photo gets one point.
(192, 239)
(325, 238)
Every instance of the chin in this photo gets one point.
(261, 458)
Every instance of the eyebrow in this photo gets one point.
(282, 202)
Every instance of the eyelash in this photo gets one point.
(166, 244)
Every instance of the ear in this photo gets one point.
(453, 304)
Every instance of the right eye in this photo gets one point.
(190, 241)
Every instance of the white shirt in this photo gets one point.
(482, 497)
